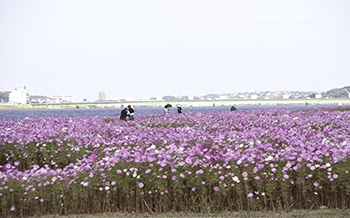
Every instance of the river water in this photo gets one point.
(20, 114)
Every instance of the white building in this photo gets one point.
(318, 95)
(19, 96)
(62, 99)
(286, 96)
(254, 96)
(223, 97)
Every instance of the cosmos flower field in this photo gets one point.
(198, 162)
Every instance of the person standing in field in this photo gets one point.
(131, 112)
(179, 109)
(124, 114)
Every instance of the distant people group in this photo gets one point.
(127, 112)
(168, 106)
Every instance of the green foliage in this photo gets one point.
(344, 108)
(4, 96)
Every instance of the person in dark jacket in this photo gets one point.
(130, 112)
(233, 108)
(124, 114)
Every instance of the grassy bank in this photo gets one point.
(195, 103)
(15, 107)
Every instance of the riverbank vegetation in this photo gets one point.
(185, 103)
(273, 160)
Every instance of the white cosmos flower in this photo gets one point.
(236, 179)
(151, 147)
(269, 158)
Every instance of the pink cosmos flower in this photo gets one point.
(141, 185)
(199, 171)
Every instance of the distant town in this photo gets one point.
(20, 96)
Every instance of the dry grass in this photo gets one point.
(15, 107)
(322, 213)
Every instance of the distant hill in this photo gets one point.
(337, 93)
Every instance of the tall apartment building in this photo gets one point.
(102, 96)
(19, 95)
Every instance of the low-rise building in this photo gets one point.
(62, 99)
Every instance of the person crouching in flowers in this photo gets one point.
(124, 114)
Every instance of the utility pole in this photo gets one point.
(347, 92)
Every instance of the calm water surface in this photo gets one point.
(20, 114)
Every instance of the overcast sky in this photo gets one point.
(135, 49)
